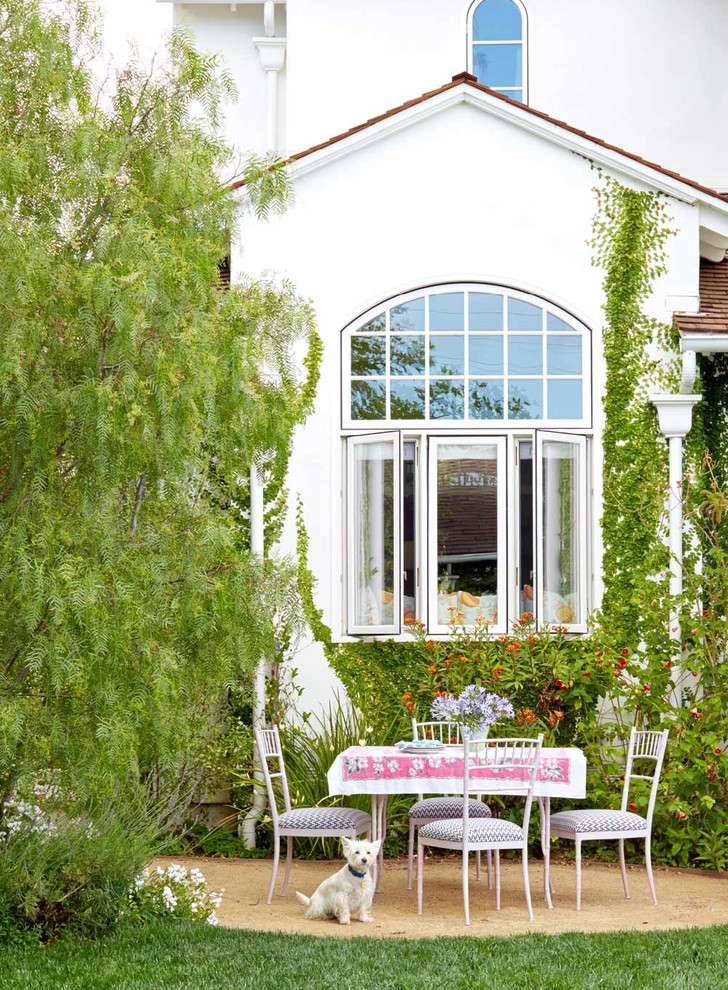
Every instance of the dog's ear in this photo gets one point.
(345, 844)
(376, 846)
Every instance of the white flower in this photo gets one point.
(169, 899)
(212, 918)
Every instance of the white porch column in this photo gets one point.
(272, 52)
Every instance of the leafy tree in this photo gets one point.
(131, 383)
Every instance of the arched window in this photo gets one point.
(497, 30)
(467, 414)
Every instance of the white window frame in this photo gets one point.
(580, 442)
(433, 442)
(394, 628)
(524, 49)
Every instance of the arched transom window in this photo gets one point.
(497, 31)
(469, 353)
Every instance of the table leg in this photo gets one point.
(544, 807)
(379, 831)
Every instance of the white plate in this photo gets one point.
(414, 748)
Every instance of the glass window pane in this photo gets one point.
(563, 355)
(525, 399)
(368, 400)
(525, 532)
(523, 315)
(467, 532)
(485, 355)
(376, 325)
(407, 400)
(372, 543)
(447, 355)
(368, 356)
(409, 532)
(553, 322)
(447, 311)
(486, 400)
(496, 20)
(447, 399)
(497, 65)
(514, 94)
(486, 311)
(565, 399)
(561, 551)
(525, 355)
(408, 316)
(407, 355)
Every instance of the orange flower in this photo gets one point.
(512, 647)
(558, 715)
(497, 673)
(526, 716)
(448, 663)
(432, 669)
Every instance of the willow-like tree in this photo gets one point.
(130, 384)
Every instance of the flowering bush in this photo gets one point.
(174, 891)
(475, 709)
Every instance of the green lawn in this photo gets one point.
(194, 957)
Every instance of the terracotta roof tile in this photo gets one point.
(713, 315)
(465, 78)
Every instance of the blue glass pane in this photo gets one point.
(486, 400)
(525, 355)
(368, 356)
(408, 316)
(447, 355)
(447, 311)
(368, 400)
(563, 355)
(407, 355)
(497, 65)
(486, 355)
(514, 94)
(555, 323)
(407, 400)
(523, 315)
(375, 325)
(525, 399)
(564, 398)
(496, 20)
(447, 400)
(486, 311)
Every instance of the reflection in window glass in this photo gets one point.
(407, 400)
(372, 548)
(496, 20)
(447, 355)
(486, 400)
(525, 399)
(485, 355)
(523, 315)
(447, 399)
(554, 322)
(409, 532)
(497, 65)
(525, 531)
(561, 551)
(564, 399)
(563, 355)
(525, 355)
(467, 532)
(447, 311)
(513, 94)
(368, 356)
(407, 355)
(486, 311)
(368, 400)
(408, 315)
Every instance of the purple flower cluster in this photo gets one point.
(474, 708)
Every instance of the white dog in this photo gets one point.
(349, 892)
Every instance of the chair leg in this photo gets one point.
(497, 879)
(466, 885)
(289, 860)
(477, 864)
(648, 864)
(276, 856)
(489, 868)
(410, 853)
(420, 884)
(527, 884)
(578, 873)
(623, 868)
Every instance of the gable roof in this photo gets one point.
(601, 150)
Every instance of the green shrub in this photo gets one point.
(174, 892)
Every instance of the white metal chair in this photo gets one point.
(468, 834)
(317, 822)
(592, 824)
(434, 809)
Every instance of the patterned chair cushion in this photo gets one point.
(448, 807)
(479, 830)
(597, 820)
(326, 818)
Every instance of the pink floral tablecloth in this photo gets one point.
(388, 770)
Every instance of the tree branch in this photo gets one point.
(141, 489)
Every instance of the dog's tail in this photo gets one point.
(301, 898)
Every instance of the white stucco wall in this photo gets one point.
(458, 196)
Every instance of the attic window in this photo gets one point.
(497, 30)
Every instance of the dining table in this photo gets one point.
(382, 771)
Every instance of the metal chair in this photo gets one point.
(507, 757)
(434, 809)
(327, 822)
(592, 824)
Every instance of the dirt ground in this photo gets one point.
(687, 898)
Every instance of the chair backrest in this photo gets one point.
(449, 733)
(515, 759)
(268, 746)
(644, 747)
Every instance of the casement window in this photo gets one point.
(498, 47)
(466, 414)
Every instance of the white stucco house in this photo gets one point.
(454, 458)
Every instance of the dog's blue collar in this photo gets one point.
(357, 874)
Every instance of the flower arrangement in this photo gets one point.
(176, 891)
(475, 709)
